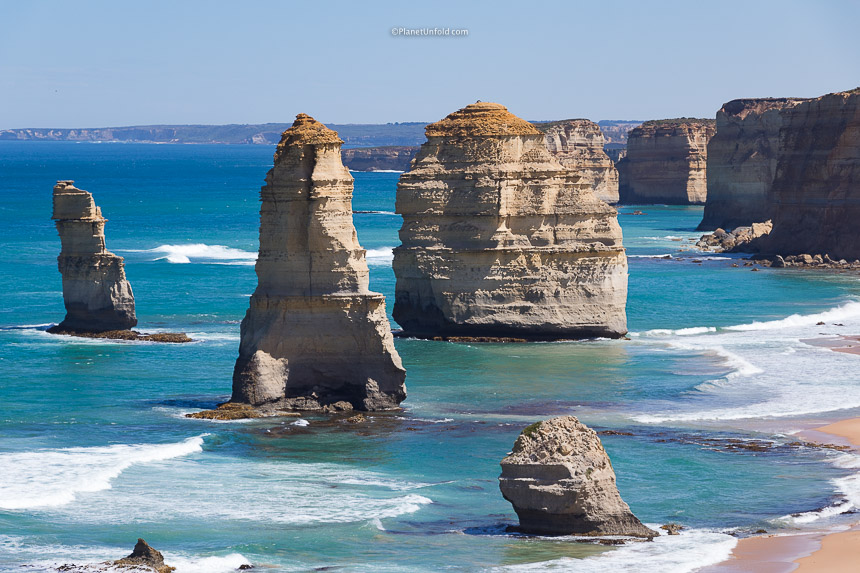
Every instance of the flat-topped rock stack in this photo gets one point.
(96, 293)
(561, 482)
(500, 240)
(315, 337)
(742, 157)
(578, 145)
(666, 162)
(815, 196)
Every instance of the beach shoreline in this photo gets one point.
(802, 552)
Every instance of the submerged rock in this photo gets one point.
(500, 240)
(560, 481)
(578, 145)
(666, 162)
(96, 293)
(315, 337)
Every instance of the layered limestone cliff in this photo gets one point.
(560, 481)
(815, 196)
(742, 158)
(578, 145)
(500, 240)
(315, 336)
(96, 293)
(391, 158)
(666, 162)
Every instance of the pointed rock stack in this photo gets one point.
(315, 336)
(500, 240)
(560, 481)
(96, 293)
(578, 145)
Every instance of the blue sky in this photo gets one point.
(108, 63)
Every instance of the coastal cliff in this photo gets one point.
(815, 196)
(742, 157)
(96, 294)
(500, 240)
(666, 162)
(390, 158)
(578, 145)
(315, 337)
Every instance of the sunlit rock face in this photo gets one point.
(578, 145)
(97, 296)
(500, 240)
(315, 336)
(666, 162)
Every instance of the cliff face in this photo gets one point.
(499, 239)
(742, 158)
(578, 145)
(815, 197)
(666, 162)
(314, 335)
(96, 293)
(378, 158)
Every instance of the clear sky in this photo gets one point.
(108, 63)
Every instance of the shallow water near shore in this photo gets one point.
(95, 451)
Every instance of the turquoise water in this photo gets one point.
(95, 451)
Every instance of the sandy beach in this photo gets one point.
(808, 552)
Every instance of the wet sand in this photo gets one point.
(806, 552)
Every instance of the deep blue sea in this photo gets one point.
(95, 451)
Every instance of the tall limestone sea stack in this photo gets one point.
(500, 240)
(578, 145)
(97, 296)
(666, 162)
(315, 337)
(742, 158)
(815, 196)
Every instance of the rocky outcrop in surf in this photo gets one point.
(143, 559)
(578, 145)
(315, 336)
(560, 481)
(500, 240)
(378, 158)
(742, 158)
(96, 293)
(666, 162)
(815, 196)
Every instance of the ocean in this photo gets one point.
(95, 450)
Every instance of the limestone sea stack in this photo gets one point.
(815, 196)
(97, 295)
(315, 336)
(666, 162)
(560, 481)
(578, 145)
(500, 240)
(742, 158)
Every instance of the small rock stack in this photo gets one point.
(560, 481)
(97, 296)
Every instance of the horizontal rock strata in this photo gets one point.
(95, 290)
(378, 158)
(560, 481)
(578, 145)
(500, 240)
(314, 335)
(742, 158)
(666, 162)
(815, 196)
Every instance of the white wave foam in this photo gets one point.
(663, 256)
(847, 487)
(682, 553)
(380, 256)
(49, 478)
(845, 311)
(183, 254)
(693, 330)
(225, 564)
